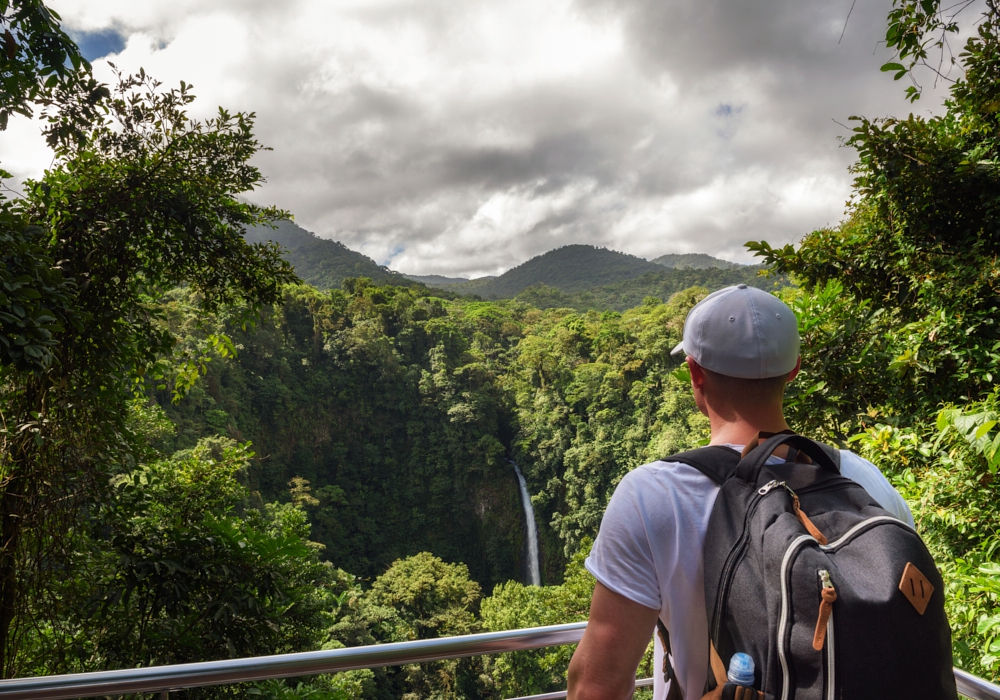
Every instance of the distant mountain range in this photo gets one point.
(565, 260)
(578, 276)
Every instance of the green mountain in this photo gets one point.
(693, 261)
(570, 269)
(438, 280)
(574, 276)
(321, 262)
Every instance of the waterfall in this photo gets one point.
(534, 572)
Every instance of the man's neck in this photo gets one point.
(738, 429)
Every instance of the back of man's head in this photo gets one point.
(746, 340)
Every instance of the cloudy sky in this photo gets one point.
(462, 137)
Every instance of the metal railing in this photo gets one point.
(163, 679)
(975, 687)
(176, 677)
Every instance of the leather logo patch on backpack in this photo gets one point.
(915, 586)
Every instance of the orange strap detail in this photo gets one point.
(718, 668)
(825, 610)
(806, 522)
(741, 692)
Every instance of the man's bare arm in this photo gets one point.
(603, 667)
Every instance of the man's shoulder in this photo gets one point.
(653, 477)
(852, 464)
(871, 478)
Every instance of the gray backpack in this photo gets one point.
(832, 597)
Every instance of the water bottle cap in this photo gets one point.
(741, 669)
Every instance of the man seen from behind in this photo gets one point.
(742, 347)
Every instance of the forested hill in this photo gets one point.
(693, 261)
(572, 268)
(321, 262)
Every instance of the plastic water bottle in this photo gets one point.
(741, 670)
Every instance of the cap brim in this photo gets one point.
(678, 349)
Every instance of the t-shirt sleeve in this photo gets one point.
(621, 558)
(874, 482)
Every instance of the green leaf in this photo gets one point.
(682, 373)
(886, 67)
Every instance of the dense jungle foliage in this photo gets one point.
(201, 458)
(401, 410)
(630, 293)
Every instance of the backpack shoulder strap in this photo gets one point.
(832, 451)
(717, 462)
(669, 675)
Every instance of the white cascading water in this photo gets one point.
(534, 571)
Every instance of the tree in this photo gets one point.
(423, 597)
(145, 199)
(917, 29)
(178, 563)
(36, 57)
(516, 606)
(919, 250)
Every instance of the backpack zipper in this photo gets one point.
(735, 555)
(737, 552)
(824, 634)
(783, 620)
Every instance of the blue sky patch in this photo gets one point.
(95, 45)
(392, 254)
(727, 110)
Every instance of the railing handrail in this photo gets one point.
(152, 679)
(975, 687)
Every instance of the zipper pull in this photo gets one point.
(804, 519)
(828, 596)
(796, 508)
(770, 486)
(824, 578)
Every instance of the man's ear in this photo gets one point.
(698, 383)
(795, 372)
(697, 373)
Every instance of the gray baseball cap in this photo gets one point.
(742, 332)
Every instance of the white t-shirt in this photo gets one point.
(649, 549)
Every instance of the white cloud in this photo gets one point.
(462, 138)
